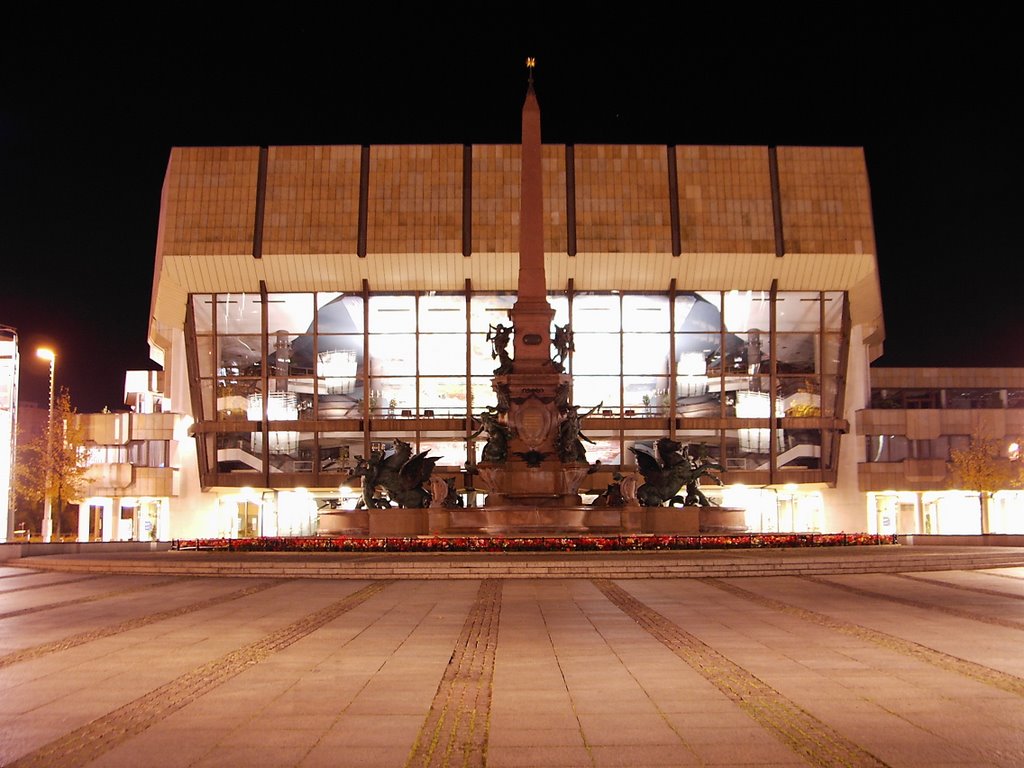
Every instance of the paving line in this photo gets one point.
(87, 743)
(455, 729)
(809, 737)
(1002, 575)
(978, 672)
(53, 583)
(23, 573)
(949, 611)
(94, 598)
(964, 587)
(44, 649)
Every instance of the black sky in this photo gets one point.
(88, 115)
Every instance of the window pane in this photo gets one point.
(489, 309)
(588, 391)
(235, 453)
(204, 354)
(596, 353)
(646, 395)
(292, 312)
(391, 355)
(282, 357)
(699, 312)
(443, 353)
(483, 394)
(747, 310)
(798, 311)
(645, 352)
(339, 313)
(593, 313)
(336, 452)
(392, 314)
(451, 450)
(796, 352)
(202, 312)
(834, 310)
(442, 314)
(446, 397)
(560, 304)
(239, 355)
(800, 397)
(390, 397)
(645, 313)
(338, 362)
(239, 313)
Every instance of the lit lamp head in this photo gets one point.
(46, 354)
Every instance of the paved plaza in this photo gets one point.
(919, 668)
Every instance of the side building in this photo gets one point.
(915, 418)
(311, 304)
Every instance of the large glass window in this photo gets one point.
(334, 356)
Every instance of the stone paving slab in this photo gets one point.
(858, 669)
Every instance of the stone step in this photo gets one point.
(562, 565)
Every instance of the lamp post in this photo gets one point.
(48, 354)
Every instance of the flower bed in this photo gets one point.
(624, 543)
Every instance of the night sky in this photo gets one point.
(88, 116)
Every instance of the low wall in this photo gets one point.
(16, 550)
(966, 540)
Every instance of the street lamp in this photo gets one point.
(48, 354)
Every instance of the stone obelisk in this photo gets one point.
(533, 395)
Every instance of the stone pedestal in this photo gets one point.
(398, 522)
(722, 520)
(515, 483)
(683, 521)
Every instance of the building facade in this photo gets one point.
(915, 419)
(313, 303)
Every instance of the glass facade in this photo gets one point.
(295, 385)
